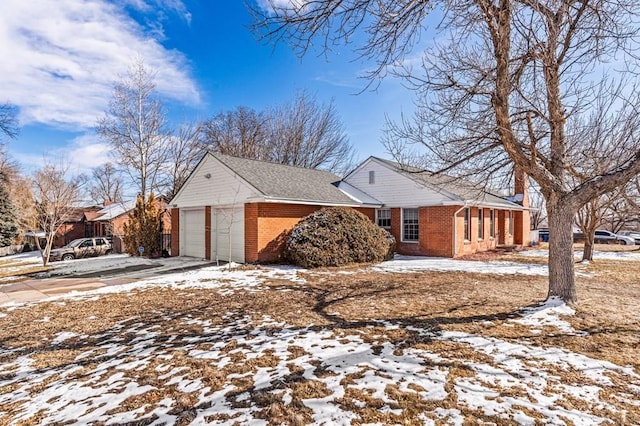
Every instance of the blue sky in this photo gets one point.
(61, 57)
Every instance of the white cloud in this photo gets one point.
(81, 154)
(272, 5)
(60, 58)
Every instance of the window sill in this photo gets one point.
(410, 242)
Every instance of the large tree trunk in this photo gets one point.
(561, 271)
(587, 254)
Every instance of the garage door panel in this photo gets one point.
(228, 234)
(193, 237)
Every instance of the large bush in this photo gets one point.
(144, 228)
(337, 236)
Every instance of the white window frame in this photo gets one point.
(378, 211)
(417, 219)
(372, 177)
(480, 223)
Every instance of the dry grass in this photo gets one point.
(343, 303)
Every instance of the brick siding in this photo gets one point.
(175, 232)
(266, 226)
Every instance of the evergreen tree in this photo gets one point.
(143, 228)
(8, 218)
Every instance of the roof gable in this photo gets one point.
(452, 190)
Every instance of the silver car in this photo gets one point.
(631, 234)
(82, 247)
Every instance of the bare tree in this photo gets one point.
(309, 134)
(8, 120)
(303, 133)
(183, 153)
(498, 87)
(624, 210)
(55, 197)
(538, 210)
(135, 128)
(241, 133)
(106, 184)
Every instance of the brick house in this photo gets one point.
(436, 215)
(76, 226)
(239, 209)
(110, 220)
(234, 208)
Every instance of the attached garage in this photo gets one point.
(237, 209)
(227, 234)
(192, 238)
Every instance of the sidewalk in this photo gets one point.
(33, 290)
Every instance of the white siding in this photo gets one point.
(392, 188)
(222, 187)
(227, 234)
(192, 233)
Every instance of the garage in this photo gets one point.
(227, 234)
(193, 233)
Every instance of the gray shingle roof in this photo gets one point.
(455, 188)
(287, 182)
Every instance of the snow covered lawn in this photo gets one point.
(412, 341)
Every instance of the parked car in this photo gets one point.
(606, 237)
(631, 234)
(83, 247)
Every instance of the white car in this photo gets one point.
(606, 237)
(631, 234)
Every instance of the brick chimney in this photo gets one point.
(521, 186)
(521, 219)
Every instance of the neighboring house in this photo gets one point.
(110, 221)
(76, 226)
(239, 209)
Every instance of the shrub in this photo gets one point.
(337, 236)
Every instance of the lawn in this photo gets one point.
(413, 341)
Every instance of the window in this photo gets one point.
(480, 224)
(383, 218)
(409, 224)
(372, 177)
(492, 223)
(467, 227)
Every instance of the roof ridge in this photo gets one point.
(273, 163)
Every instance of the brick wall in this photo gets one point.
(175, 232)
(437, 230)
(267, 224)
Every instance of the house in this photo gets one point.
(436, 215)
(238, 209)
(235, 208)
(75, 226)
(110, 220)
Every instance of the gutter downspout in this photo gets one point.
(453, 243)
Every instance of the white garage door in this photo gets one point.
(192, 236)
(227, 234)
